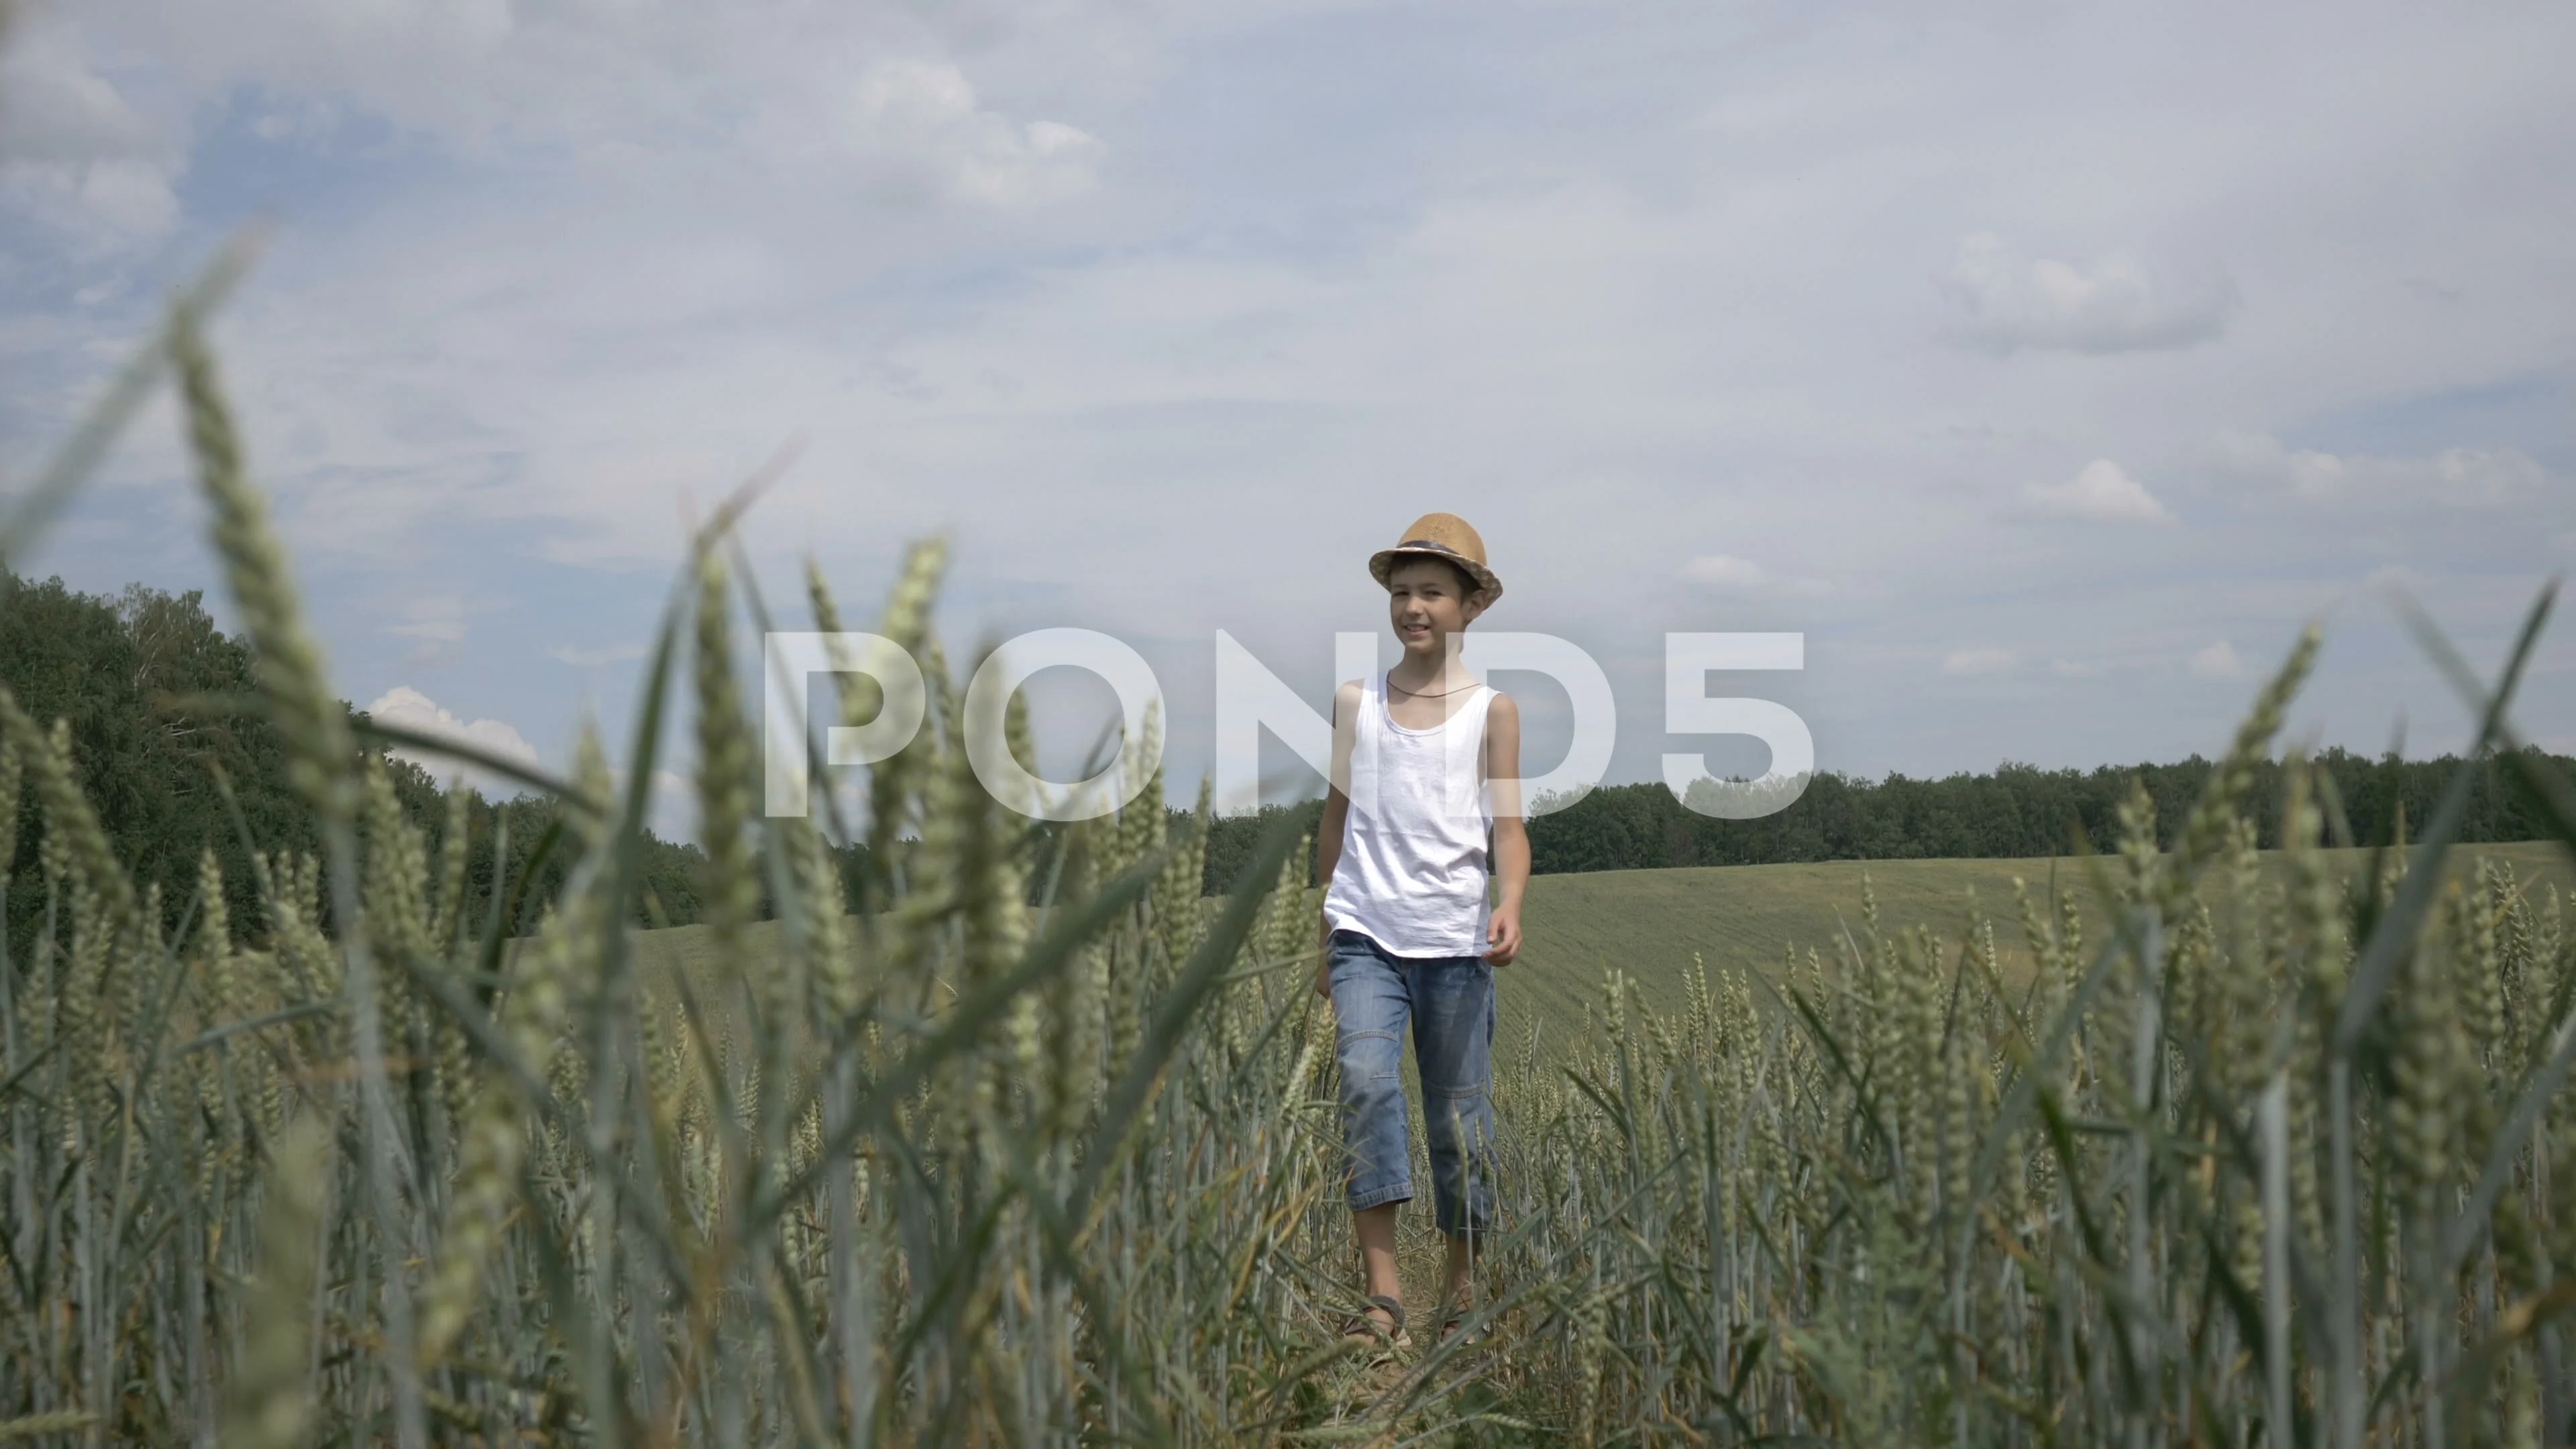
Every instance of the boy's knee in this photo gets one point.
(1458, 1116)
(1370, 1055)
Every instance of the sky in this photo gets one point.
(2048, 367)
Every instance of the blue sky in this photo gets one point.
(2048, 366)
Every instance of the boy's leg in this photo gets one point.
(1371, 1009)
(1458, 1283)
(1376, 1229)
(1453, 1035)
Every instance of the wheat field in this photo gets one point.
(1041, 1148)
(1653, 926)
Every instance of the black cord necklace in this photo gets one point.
(1444, 694)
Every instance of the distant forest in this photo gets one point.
(121, 672)
(2019, 810)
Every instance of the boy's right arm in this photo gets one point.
(1328, 854)
(1328, 831)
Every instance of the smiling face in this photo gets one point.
(1427, 599)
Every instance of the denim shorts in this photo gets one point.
(1448, 1003)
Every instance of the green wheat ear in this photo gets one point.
(894, 783)
(860, 694)
(13, 784)
(72, 828)
(725, 765)
(269, 1403)
(289, 663)
(2207, 828)
(492, 1127)
(829, 966)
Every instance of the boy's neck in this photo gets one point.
(1431, 670)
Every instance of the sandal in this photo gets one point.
(1453, 1328)
(1362, 1326)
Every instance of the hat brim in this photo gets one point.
(1383, 563)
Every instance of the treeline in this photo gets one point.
(2019, 810)
(139, 682)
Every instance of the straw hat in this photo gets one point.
(1441, 535)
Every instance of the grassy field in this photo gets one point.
(1649, 923)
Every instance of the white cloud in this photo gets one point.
(917, 124)
(1987, 660)
(110, 203)
(2218, 661)
(2102, 492)
(2110, 304)
(1734, 575)
(53, 107)
(2074, 669)
(74, 153)
(812, 101)
(412, 710)
(2462, 477)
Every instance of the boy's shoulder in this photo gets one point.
(1346, 706)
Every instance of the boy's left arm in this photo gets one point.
(1511, 839)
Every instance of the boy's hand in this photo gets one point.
(1503, 937)
(1324, 963)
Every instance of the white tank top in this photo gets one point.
(1413, 865)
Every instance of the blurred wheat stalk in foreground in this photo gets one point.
(1040, 1147)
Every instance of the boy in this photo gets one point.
(1426, 764)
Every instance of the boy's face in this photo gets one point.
(1424, 602)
